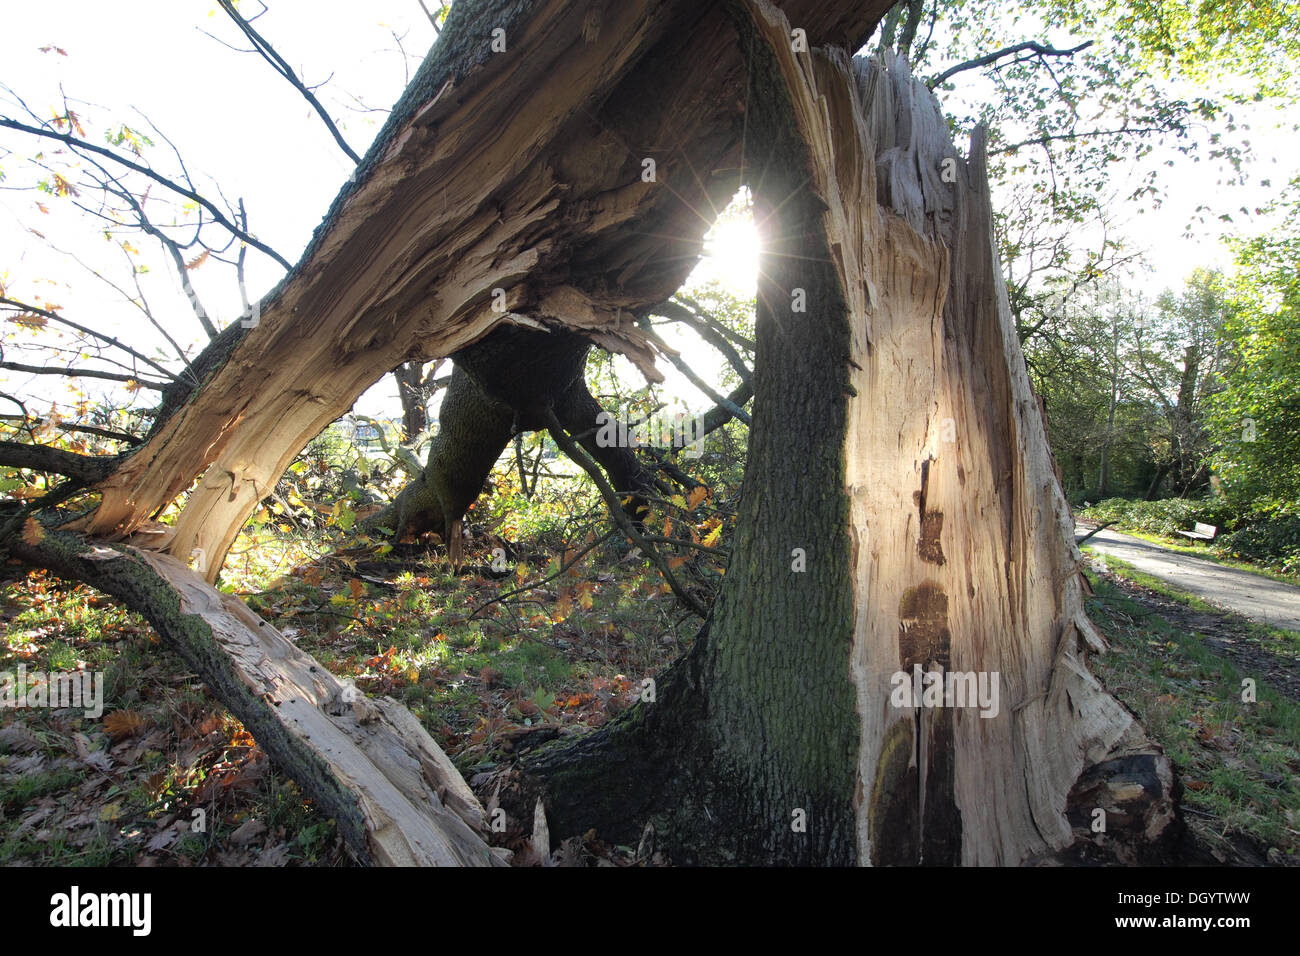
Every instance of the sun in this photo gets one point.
(731, 248)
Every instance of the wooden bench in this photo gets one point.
(1202, 532)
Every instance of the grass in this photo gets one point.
(1239, 760)
(476, 664)
(1275, 639)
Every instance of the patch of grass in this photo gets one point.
(1239, 760)
(17, 792)
(1276, 639)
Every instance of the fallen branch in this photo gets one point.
(368, 763)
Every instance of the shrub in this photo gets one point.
(1167, 516)
(1272, 542)
(1268, 535)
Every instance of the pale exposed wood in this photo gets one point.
(523, 174)
(962, 536)
(415, 806)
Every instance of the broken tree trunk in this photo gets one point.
(501, 387)
(368, 763)
(901, 515)
(509, 185)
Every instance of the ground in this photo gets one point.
(490, 678)
(1262, 599)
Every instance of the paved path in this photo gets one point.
(1250, 595)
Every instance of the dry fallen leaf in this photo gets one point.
(33, 533)
(121, 724)
(247, 832)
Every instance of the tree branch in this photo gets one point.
(278, 63)
(1031, 45)
(615, 509)
(217, 214)
(84, 469)
(55, 317)
(82, 373)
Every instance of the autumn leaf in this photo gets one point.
(62, 187)
(33, 533)
(668, 527)
(356, 588)
(198, 260)
(29, 320)
(563, 606)
(698, 494)
(121, 724)
(712, 537)
(675, 563)
(51, 48)
(586, 590)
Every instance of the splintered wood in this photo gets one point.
(412, 803)
(964, 551)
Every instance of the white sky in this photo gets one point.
(237, 123)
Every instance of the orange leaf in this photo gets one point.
(563, 606)
(33, 533)
(121, 724)
(585, 590)
(696, 497)
(198, 260)
(356, 588)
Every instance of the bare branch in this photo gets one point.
(279, 64)
(110, 340)
(108, 433)
(615, 508)
(81, 373)
(1031, 45)
(190, 194)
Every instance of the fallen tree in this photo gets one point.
(901, 510)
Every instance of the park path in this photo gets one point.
(1250, 595)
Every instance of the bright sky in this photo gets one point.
(239, 124)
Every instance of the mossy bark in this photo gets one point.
(499, 388)
(748, 751)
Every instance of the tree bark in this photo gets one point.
(414, 393)
(504, 186)
(501, 387)
(901, 510)
(368, 763)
